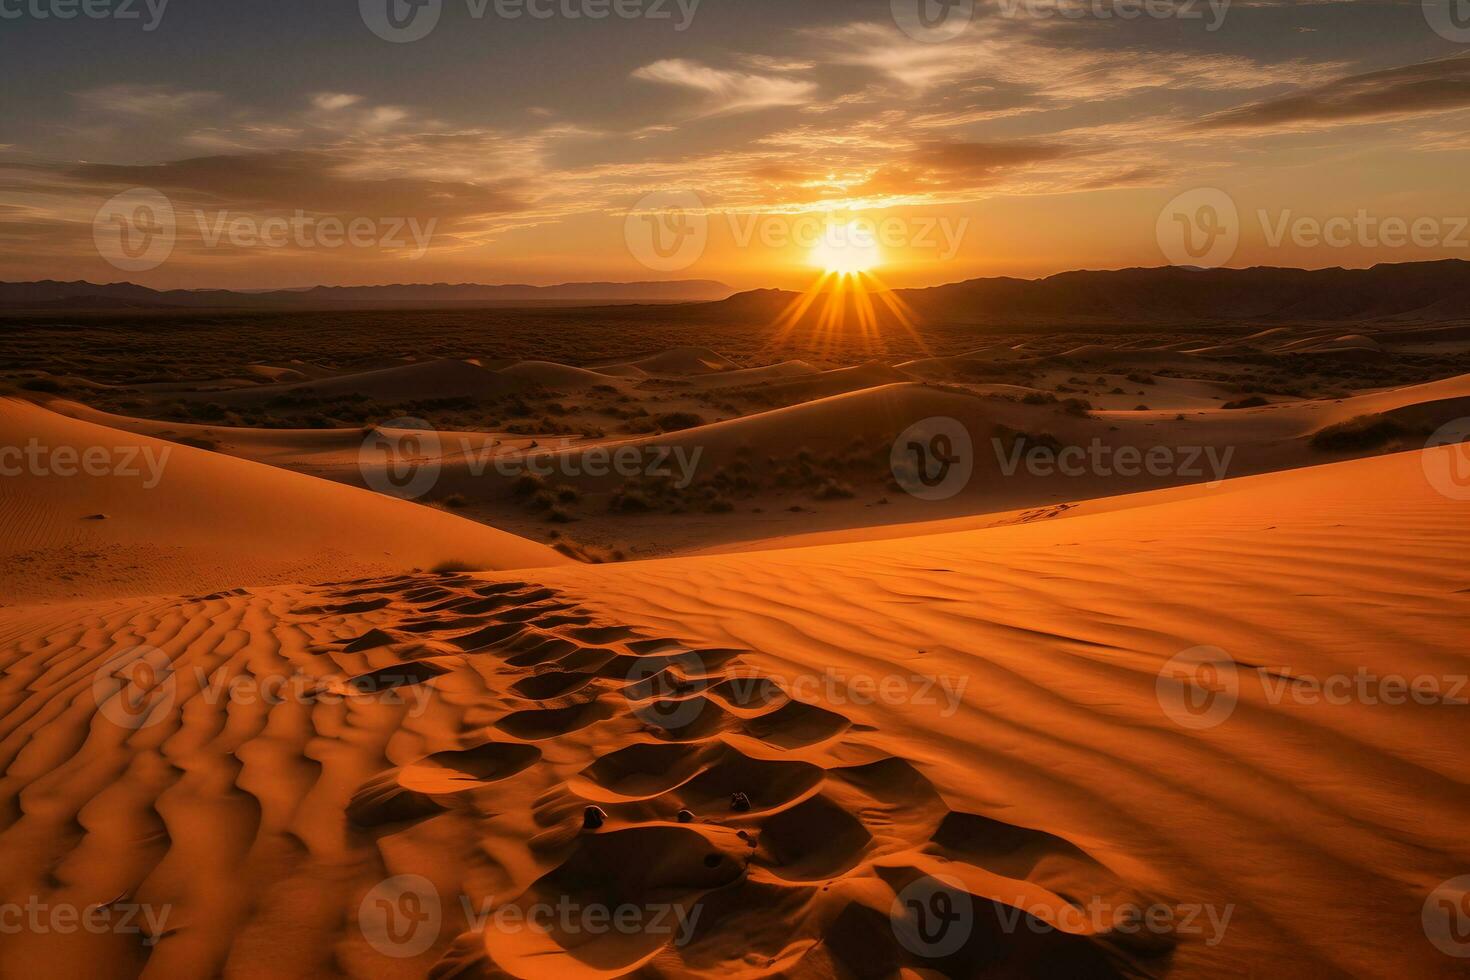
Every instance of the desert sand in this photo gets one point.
(1052, 774)
(790, 448)
(290, 726)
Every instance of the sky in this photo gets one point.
(282, 144)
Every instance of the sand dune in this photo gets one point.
(1062, 729)
(455, 727)
(280, 375)
(756, 375)
(869, 415)
(1099, 354)
(676, 362)
(429, 379)
(930, 368)
(1265, 438)
(143, 516)
(1184, 419)
(835, 382)
(558, 377)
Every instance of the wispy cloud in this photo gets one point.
(1429, 87)
(332, 101)
(143, 100)
(728, 91)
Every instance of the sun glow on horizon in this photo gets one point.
(847, 250)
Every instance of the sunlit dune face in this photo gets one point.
(847, 250)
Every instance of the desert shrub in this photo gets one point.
(589, 553)
(834, 490)
(454, 568)
(528, 484)
(1012, 440)
(1038, 398)
(630, 500)
(1254, 401)
(1077, 406)
(640, 425)
(213, 411)
(674, 421)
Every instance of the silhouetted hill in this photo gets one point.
(1412, 290)
(91, 296)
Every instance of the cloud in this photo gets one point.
(314, 182)
(951, 171)
(1010, 63)
(985, 158)
(1419, 89)
(332, 101)
(143, 100)
(728, 91)
(1127, 177)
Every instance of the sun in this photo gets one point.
(847, 250)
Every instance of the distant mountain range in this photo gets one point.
(1407, 291)
(125, 295)
(1411, 290)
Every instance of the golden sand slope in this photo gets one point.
(1326, 825)
(983, 706)
(145, 516)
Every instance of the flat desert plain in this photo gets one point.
(1120, 657)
